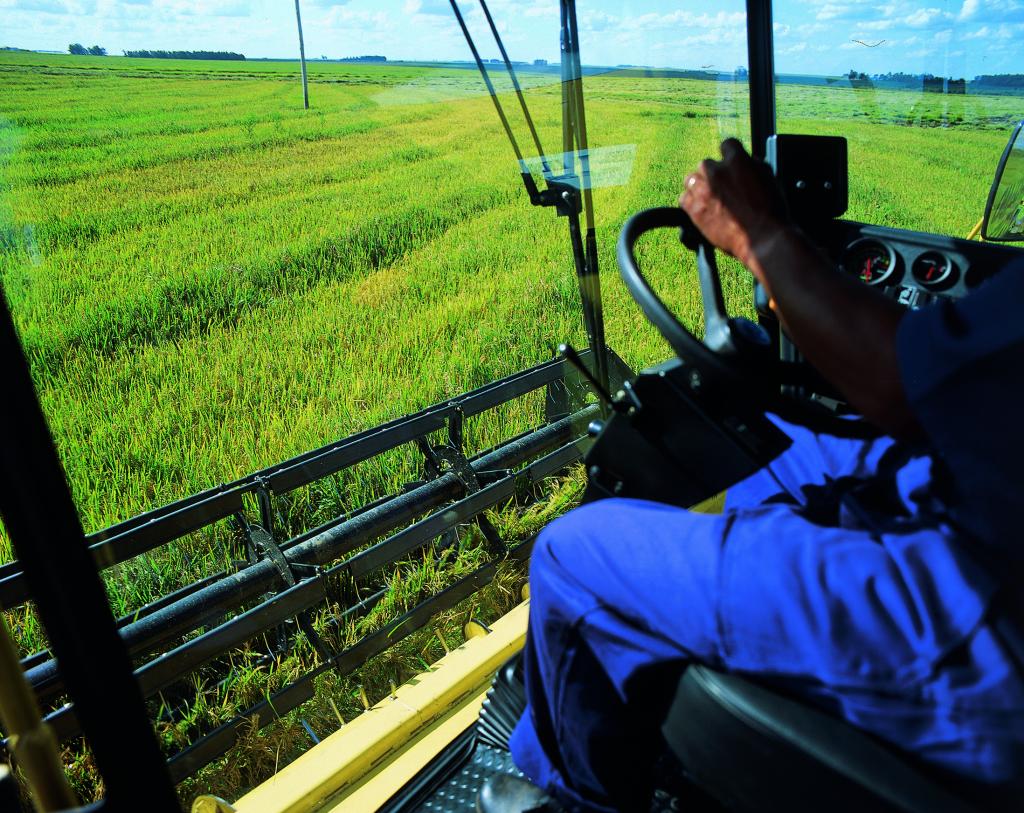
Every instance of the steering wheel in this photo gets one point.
(736, 352)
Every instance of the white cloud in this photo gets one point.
(831, 11)
(679, 34)
(877, 25)
(992, 11)
(924, 17)
(1008, 32)
(969, 9)
(44, 6)
(598, 21)
(426, 7)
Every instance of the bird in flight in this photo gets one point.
(868, 44)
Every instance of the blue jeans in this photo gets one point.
(879, 616)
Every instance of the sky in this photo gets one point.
(961, 38)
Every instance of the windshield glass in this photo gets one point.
(230, 236)
(209, 278)
(926, 94)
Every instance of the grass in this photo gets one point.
(208, 279)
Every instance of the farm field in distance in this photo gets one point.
(208, 279)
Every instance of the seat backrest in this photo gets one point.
(753, 749)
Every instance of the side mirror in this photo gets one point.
(1004, 213)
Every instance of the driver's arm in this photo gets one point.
(847, 330)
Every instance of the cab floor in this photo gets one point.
(451, 783)
(457, 794)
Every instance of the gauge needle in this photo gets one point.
(867, 271)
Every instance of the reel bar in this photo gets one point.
(158, 674)
(150, 530)
(171, 622)
(314, 561)
(194, 757)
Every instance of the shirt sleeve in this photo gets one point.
(962, 365)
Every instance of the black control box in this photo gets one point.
(813, 174)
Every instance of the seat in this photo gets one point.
(753, 749)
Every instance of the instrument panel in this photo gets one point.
(915, 268)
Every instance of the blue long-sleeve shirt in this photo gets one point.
(962, 366)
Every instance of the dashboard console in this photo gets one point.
(914, 268)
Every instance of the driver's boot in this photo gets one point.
(503, 793)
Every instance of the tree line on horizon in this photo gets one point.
(148, 54)
(1002, 80)
(78, 49)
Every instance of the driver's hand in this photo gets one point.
(735, 202)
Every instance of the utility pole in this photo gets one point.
(302, 58)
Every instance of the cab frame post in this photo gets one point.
(46, 533)
(761, 76)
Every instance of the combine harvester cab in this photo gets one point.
(680, 432)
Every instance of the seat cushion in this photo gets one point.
(753, 749)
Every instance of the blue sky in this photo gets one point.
(960, 38)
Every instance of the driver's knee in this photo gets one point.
(569, 558)
(590, 551)
(589, 533)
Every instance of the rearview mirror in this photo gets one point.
(1004, 213)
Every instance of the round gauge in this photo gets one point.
(873, 262)
(932, 269)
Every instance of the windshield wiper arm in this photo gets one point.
(545, 166)
(568, 193)
(531, 186)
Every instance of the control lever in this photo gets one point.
(568, 352)
(717, 334)
(625, 402)
(722, 334)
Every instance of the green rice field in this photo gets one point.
(208, 279)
